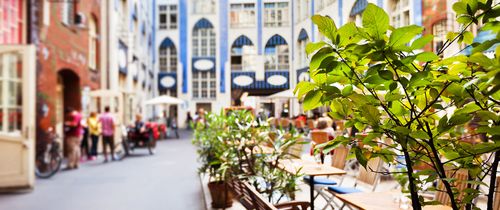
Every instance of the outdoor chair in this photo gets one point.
(310, 125)
(368, 177)
(240, 194)
(284, 123)
(296, 150)
(260, 203)
(461, 176)
(496, 204)
(339, 158)
(300, 125)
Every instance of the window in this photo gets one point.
(242, 54)
(303, 9)
(303, 62)
(168, 16)
(11, 31)
(10, 93)
(68, 12)
(242, 15)
(320, 4)
(204, 46)
(400, 13)
(204, 85)
(276, 14)
(93, 44)
(439, 31)
(276, 54)
(168, 59)
(203, 7)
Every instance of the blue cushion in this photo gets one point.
(321, 181)
(343, 190)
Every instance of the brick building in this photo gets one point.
(435, 21)
(68, 65)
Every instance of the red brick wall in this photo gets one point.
(433, 12)
(64, 47)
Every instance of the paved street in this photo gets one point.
(167, 180)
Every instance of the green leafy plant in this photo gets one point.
(418, 106)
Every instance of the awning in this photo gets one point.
(275, 40)
(167, 43)
(359, 7)
(203, 23)
(242, 40)
(303, 35)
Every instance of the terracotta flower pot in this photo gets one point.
(221, 194)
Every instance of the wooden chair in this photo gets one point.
(366, 177)
(240, 193)
(300, 125)
(460, 183)
(319, 137)
(310, 125)
(496, 204)
(260, 203)
(297, 149)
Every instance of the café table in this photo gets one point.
(311, 169)
(379, 201)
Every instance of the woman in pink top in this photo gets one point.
(108, 130)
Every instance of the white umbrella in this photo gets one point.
(286, 94)
(164, 100)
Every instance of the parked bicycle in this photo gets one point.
(48, 160)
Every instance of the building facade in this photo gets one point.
(214, 54)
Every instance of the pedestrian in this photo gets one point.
(94, 131)
(108, 130)
(84, 145)
(189, 120)
(73, 131)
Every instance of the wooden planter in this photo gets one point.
(221, 194)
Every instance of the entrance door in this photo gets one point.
(17, 117)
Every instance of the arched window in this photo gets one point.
(242, 52)
(301, 48)
(439, 31)
(203, 41)
(357, 10)
(167, 56)
(277, 54)
(93, 34)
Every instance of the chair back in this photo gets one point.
(241, 193)
(340, 125)
(319, 137)
(461, 176)
(369, 176)
(496, 204)
(296, 149)
(310, 124)
(258, 202)
(299, 124)
(284, 123)
(339, 157)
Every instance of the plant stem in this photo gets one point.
(493, 177)
(415, 202)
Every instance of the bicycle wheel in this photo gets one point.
(47, 168)
(120, 151)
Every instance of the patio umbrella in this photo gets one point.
(164, 100)
(286, 94)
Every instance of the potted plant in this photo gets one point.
(208, 138)
(415, 103)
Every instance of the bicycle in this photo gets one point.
(49, 161)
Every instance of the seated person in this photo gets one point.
(139, 125)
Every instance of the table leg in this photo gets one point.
(311, 185)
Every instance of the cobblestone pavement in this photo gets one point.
(166, 180)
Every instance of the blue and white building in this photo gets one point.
(214, 54)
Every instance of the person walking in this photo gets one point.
(108, 129)
(94, 131)
(84, 145)
(73, 133)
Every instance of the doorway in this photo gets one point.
(68, 96)
(207, 107)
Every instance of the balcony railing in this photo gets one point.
(276, 66)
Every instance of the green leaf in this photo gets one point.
(303, 88)
(426, 57)
(401, 36)
(421, 42)
(348, 34)
(347, 90)
(459, 119)
(312, 99)
(325, 25)
(376, 21)
(468, 37)
(484, 46)
(481, 59)
(387, 75)
(371, 114)
(360, 157)
(312, 47)
(318, 57)
(460, 8)
(393, 96)
(419, 134)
